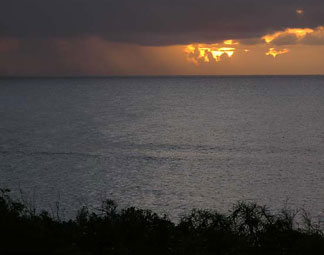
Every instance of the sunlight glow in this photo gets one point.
(300, 12)
(230, 42)
(217, 52)
(205, 53)
(298, 32)
(273, 52)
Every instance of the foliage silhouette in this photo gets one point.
(247, 229)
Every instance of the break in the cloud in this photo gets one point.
(205, 53)
(296, 36)
(118, 37)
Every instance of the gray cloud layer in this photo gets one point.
(155, 22)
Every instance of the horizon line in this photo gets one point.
(152, 76)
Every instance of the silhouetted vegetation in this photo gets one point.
(247, 229)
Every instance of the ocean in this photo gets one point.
(169, 144)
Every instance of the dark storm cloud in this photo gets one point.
(285, 39)
(155, 22)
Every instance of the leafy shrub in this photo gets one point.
(248, 229)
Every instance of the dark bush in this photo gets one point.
(247, 229)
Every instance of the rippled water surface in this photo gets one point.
(168, 144)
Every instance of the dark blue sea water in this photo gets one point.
(168, 144)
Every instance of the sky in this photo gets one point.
(161, 37)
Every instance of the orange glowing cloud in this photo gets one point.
(280, 42)
(204, 53)
(300, 33)
(230, 42)
(274, 53)
(300, 12)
